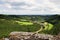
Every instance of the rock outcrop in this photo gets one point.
(29, 36)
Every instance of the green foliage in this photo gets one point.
(7, 26)
(23, 23)
(48, 27)
(55, 20)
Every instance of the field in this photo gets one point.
(9, 24)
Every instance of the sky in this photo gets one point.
(29, 7)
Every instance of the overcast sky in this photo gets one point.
(29, 7)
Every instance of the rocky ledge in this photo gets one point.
(29, 36)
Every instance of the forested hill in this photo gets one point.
(49, 18)
(54, 19)
(28, 17)
(25, 16)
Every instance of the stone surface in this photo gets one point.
(29, 36)
(4, 39)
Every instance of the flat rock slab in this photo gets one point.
(29, 36)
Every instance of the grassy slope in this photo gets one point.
(7, 26)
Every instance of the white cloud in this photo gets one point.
(55, 1)
(30, 7)
(7, 5)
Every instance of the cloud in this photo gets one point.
(55, 1)
(29, 6)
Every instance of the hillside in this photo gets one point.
(10, 23)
